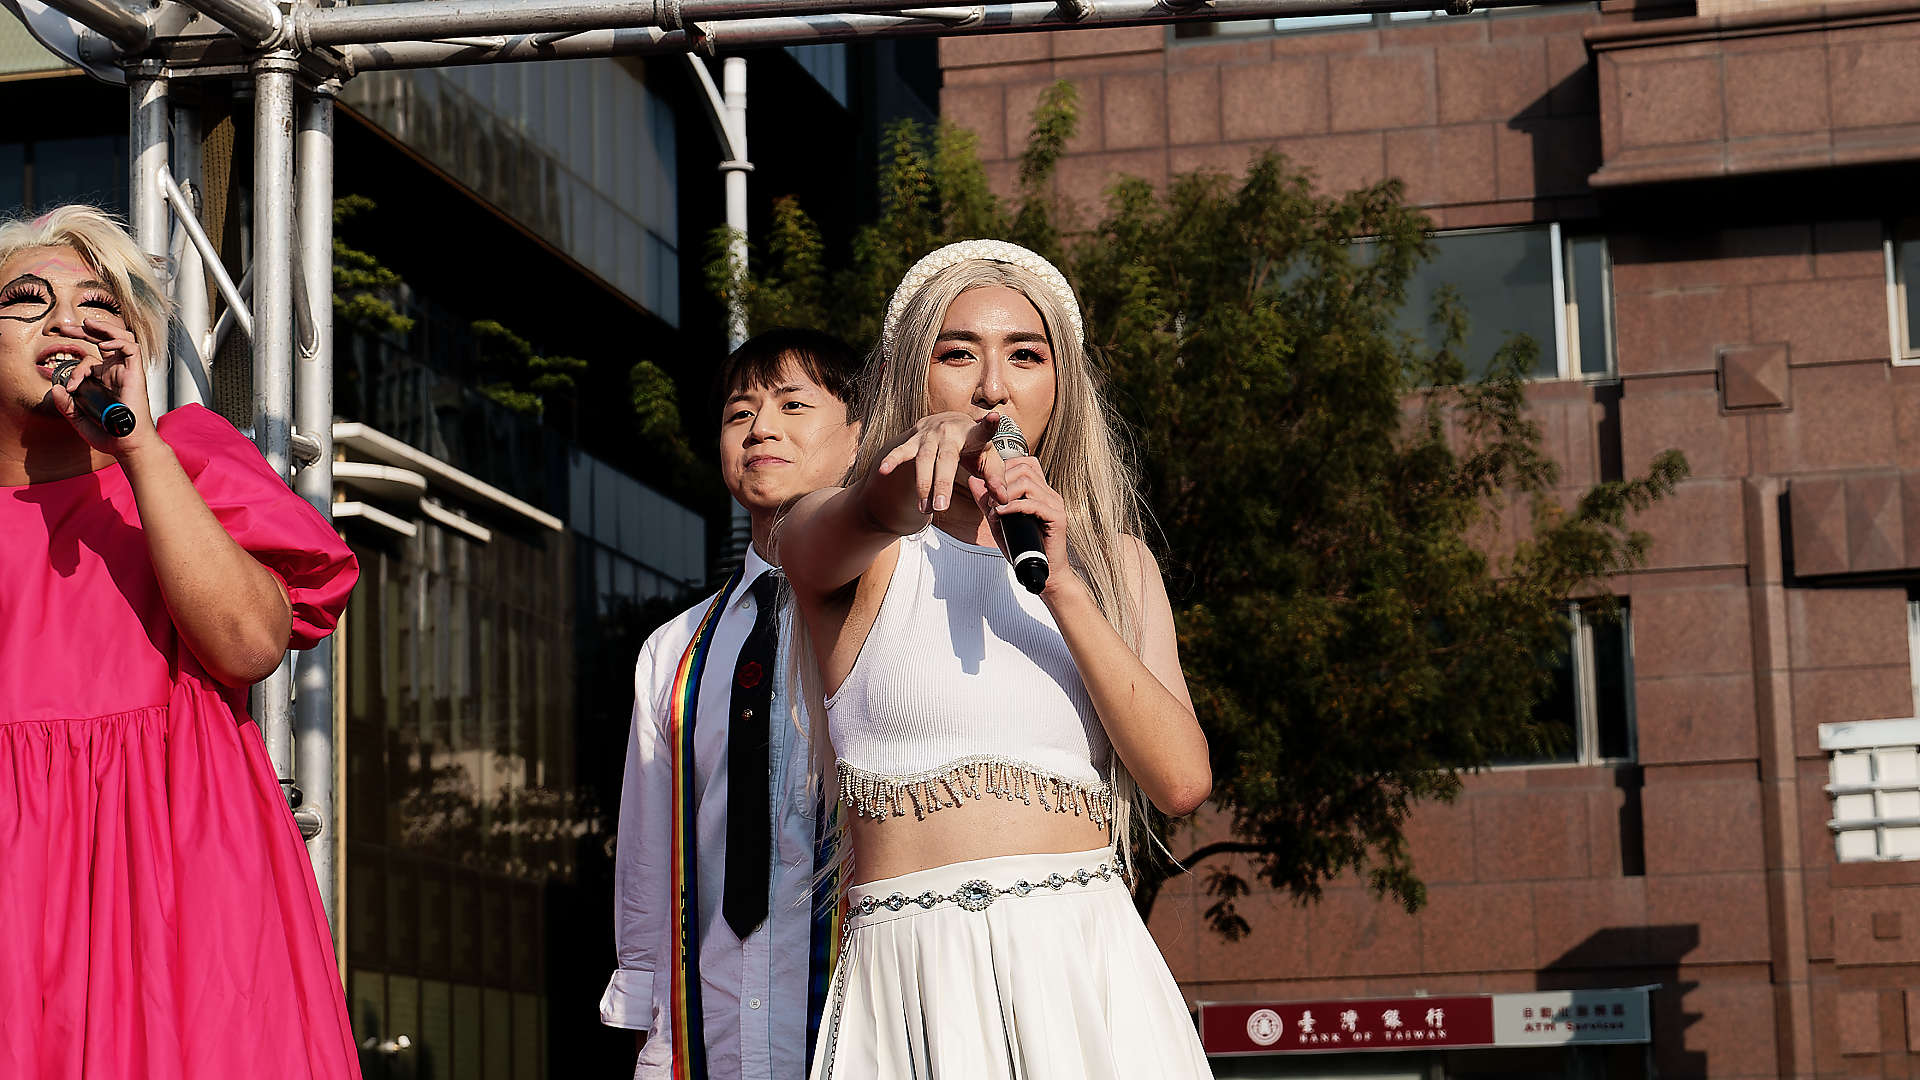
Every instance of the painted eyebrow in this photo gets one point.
(43, 282)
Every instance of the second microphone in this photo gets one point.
(97, 403)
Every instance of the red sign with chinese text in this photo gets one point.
(1342, 1026)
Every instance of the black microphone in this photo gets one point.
(1022, 531)
(97, 403)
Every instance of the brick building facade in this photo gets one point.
(1707, 211)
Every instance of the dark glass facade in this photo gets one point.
(486, 689)
(463, 807)
(42, 173)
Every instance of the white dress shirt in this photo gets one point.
(753, 992)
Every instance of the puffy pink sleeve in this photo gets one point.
(278, 528)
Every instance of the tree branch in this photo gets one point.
(1148, 891)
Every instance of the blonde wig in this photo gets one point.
(103, 244)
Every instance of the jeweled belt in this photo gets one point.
(978, 895)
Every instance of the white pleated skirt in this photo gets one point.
(1060, 983)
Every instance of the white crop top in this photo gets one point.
(965, 688)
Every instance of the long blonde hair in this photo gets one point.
(104, 245)
(1081, 452)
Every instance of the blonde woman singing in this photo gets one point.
(990, 745)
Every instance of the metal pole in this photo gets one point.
(397, 55)
(146, 201)
(189, 382)
(127, 29)
(254, 21)
(733, 77)
(273, 337)
(231, 316)
(736, 168)
(1018, 16)
(313, 732)
(183, 209)
(438, 19)
(728, 111)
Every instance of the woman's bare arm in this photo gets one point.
(1142, 698)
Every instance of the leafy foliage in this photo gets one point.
(1359, 615)
(519, 378)
(363, 289)
(933, 190)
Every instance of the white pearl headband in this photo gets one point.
(939, 259)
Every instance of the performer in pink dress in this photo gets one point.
(158, 916)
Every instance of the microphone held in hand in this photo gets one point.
(1022, 531)
(97, 403)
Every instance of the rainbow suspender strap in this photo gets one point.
(683, 707)
(689, 1040)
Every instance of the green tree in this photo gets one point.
(1329, 489)
(518, 377)
(363, 287)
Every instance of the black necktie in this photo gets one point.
(749, 818)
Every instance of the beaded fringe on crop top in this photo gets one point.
(964, 689)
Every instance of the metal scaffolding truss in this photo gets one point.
(297, 56)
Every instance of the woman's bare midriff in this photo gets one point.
(977, 829)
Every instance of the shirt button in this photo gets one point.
(753, 1003)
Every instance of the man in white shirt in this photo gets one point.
(788, 425)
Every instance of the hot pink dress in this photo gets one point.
(158, 915)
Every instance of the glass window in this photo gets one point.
(1589, 290)
(1903, 291)
(666, 183)
(1612, 690)
(627, 256)
(663, 280)
(828, 66)
(1913, 646)
(579, 201)
(628, 133)
(1243, 27)
(600, 255)
(578, 154)
(551, 131)
(1874, 782)
(1504, 279)
(1586, 716)
(603, 95)
(533, 91)
(1532, 280)
(91, 170)
(1558, 714)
